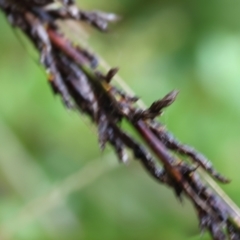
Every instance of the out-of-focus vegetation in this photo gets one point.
(54, 181)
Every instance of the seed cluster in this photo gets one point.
(73, 74)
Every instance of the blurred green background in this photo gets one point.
(54, 181)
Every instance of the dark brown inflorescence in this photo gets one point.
(73, 75)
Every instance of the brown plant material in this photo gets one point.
(73, 75)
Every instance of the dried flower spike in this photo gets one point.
(72, 74)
